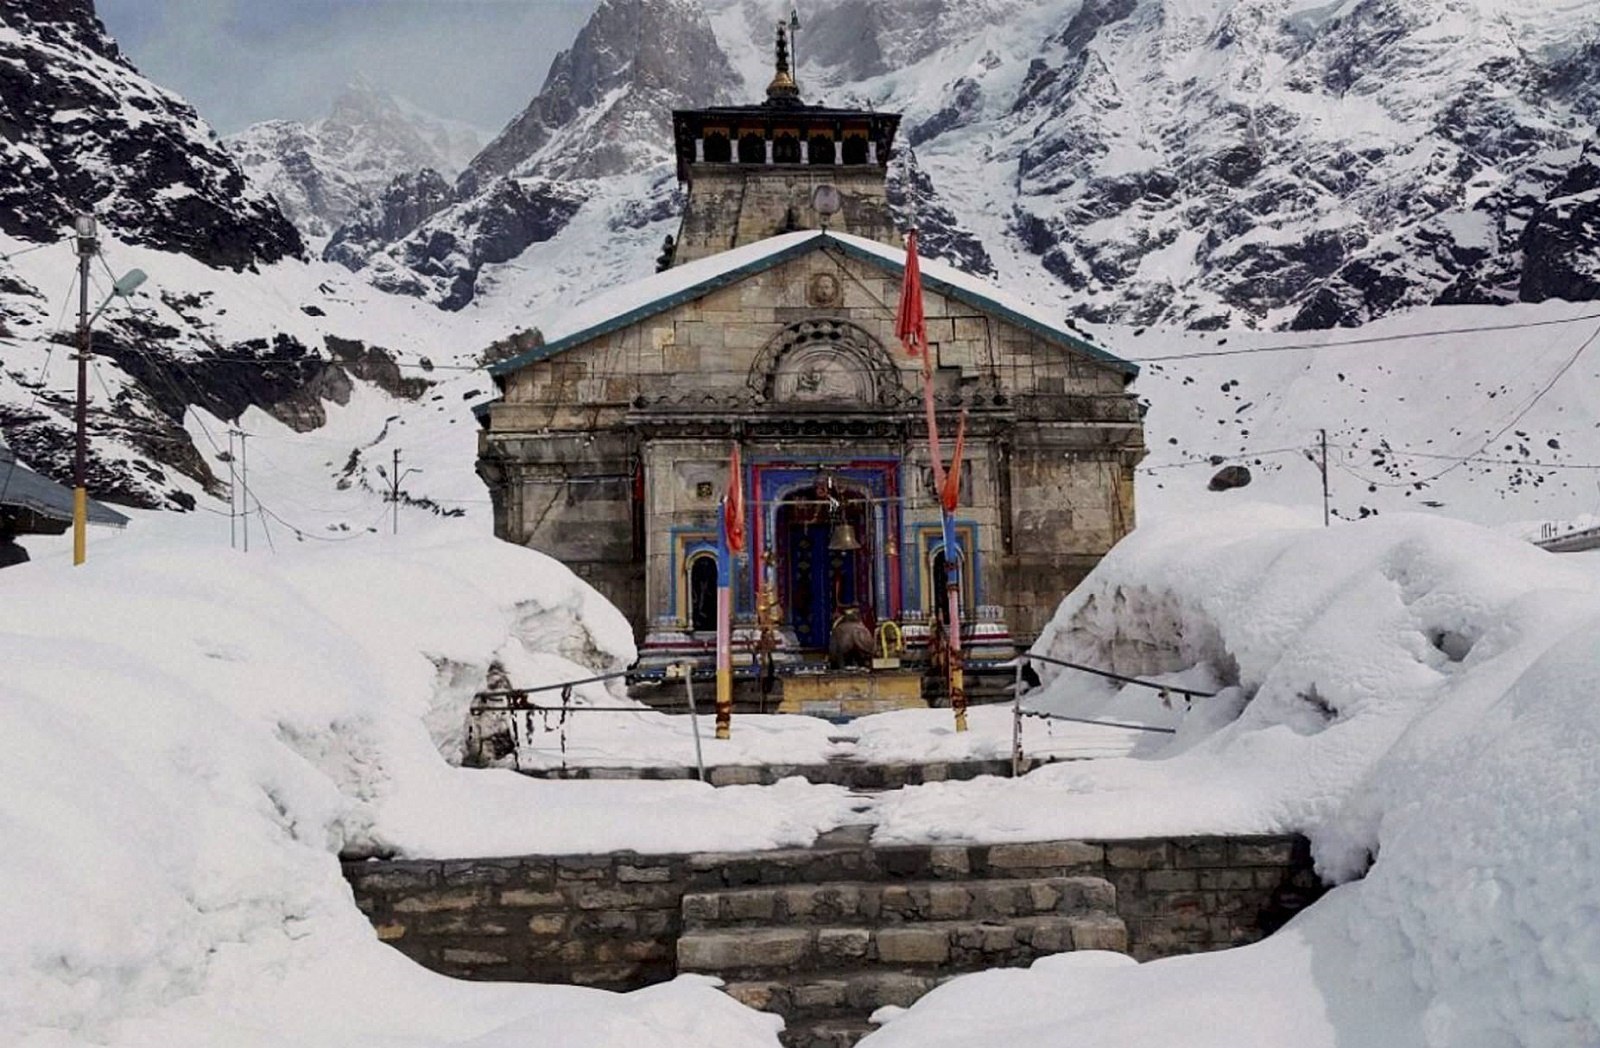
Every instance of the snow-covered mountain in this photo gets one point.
(79, 127)
(234, 314)
(1205, 163)
(601, 122)
(322, 171)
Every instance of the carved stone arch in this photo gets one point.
(824, 361)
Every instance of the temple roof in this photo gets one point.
(628, 305)
(42, 499)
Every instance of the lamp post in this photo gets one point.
(88, 245)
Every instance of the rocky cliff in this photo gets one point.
(80, 129)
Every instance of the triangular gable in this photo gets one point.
(628, 305)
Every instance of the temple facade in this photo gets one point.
(608, 447)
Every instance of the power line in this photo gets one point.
(1366, 341)
(30, 250)
(1229, 457)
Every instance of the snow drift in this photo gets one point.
(188, 738)
(1415, 694)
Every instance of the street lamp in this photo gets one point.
(85, 231)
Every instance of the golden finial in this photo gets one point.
(783, 88)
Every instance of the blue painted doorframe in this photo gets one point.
(818, 582)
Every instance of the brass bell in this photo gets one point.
(842, 539)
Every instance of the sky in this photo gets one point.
(242, 61)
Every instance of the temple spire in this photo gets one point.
(783, 90)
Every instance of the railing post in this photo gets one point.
(687, 669)
(1016, 718)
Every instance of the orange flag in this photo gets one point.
(910, 325)
(733, 506)
(950, 494)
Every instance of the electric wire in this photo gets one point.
(140, 346)
(1368, 340)
(30, 250)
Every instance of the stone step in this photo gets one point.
(833, 996)
(825, 1033)
(946, 946)
(714, 871)
(881, 903)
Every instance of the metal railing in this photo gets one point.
(1017, 712)
(515, 700)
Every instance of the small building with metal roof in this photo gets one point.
(31, 504)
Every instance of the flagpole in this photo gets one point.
(956, 675)
(910, 326)
(724, 626)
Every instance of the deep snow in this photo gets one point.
(189, 735)
(1416, 695)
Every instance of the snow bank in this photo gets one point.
(1325, 643)
(1454, 738)
(189, 737)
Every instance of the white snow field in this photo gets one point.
(189, 736)
(1413, 691)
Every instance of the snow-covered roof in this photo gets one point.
(22, 488)
(632, 303)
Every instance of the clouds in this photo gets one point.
(240, 61)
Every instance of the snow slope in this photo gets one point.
(1491, 414)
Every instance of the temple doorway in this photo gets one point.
(816, 581)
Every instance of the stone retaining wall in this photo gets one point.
(614, 920)
(858, 775)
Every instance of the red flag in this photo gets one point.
(910, 324)
(733, 505)
(950, 494)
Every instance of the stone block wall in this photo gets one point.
(1052, 441)
(764, 202)
(614, 920)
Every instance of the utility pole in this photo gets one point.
(233, 494)
(1325, 512)
(395, 477)
(244, 482)
(88, 245)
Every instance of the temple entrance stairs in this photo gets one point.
(826, 955)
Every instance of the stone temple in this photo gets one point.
(773, 329)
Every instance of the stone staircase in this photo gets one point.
(826, 956)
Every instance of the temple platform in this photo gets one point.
(851, 693)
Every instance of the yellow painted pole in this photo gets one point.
(80, 525)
